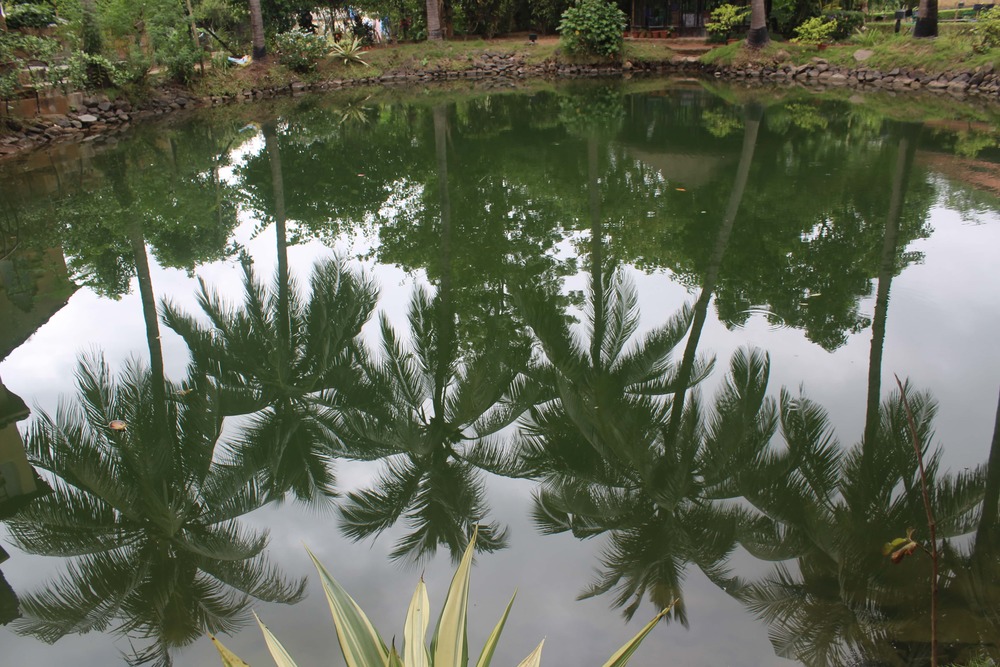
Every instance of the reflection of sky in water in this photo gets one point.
(942, 324)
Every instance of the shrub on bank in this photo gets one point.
(300, 51)
(593, 27)
(725, 20)
(29, 16)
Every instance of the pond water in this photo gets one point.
(644, 336)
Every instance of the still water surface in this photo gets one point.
(644, 337)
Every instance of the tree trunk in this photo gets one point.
(753, 118)
(3, 19)
(758, 37)
(257, 30)
(887, 269)
(927, 19)
(194, 34)
(434, 19)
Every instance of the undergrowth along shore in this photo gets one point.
(893, 63)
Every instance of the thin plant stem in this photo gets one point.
(931, 523)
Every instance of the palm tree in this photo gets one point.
(259, 52)
(434, 30)
(927, 19)
(758, 37)
(146, 507)
(287, 362)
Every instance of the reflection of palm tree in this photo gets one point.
(148, 515)
(846, 598)
(887, 269)
(593, 381)
(661, 506)
(711, 279)
(274, 356)
(436, 412)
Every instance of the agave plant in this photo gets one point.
(348, 50)
(363, 647)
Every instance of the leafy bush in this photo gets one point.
(487, 17)
(815, 31)
(987, 30)
(134, 70)
(180, 56)
(29, 16)
(593, 27)
(847, 23)
(725, 20)
(362, 645)
(299, 50)
(87, 71)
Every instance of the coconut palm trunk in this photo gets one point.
(927, 19)
(887, 268)
(750, 130)
(758, 37)
(434, 20)
(257, 31)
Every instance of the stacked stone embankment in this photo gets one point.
(97, 118)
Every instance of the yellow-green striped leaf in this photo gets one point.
(278, 652)
(622, 655)
(359, 641)
(450, 645)
(229, 659)
(418, 618)
(535, 659)
(486, 657)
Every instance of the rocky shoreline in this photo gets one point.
(95, 118)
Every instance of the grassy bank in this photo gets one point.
(955, 49)
(952, 51)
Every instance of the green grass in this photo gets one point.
(951, 51)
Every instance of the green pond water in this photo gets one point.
(644, 336)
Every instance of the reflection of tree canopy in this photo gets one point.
(147, 515)
(168, 187)
(810, 229)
